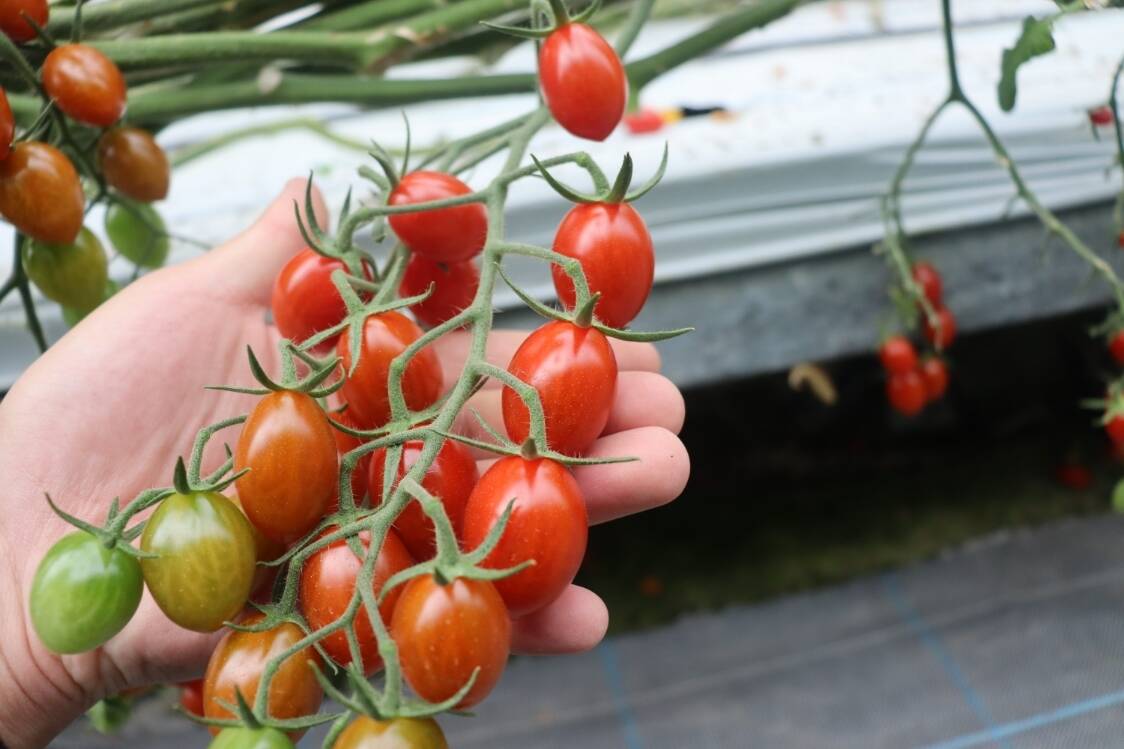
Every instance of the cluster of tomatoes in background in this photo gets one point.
(205, 554)
(77, 136)
(913, 382)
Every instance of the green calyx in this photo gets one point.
(617, 193)
(559, 16)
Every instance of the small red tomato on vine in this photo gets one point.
(574, 370)
(934, 372)
(942, 335)
(327, 584)
(13, 23)
(40, 193)
(1114, 427)
(1100, 116)
(898, 355)
(583, 81)
(345, 443)
(906, 392)
(445, 632)
(1073, 475)
(291, 452)
(644, 121)
(85, 84)
(385, 336)
(191, 697)
(612, 243)
(930, 282)
(397, 733)
(305, 301)
(450, 478)
(7, 126)
(134, 164)
(239, 661)
(445, 235)
(548, 524)
(1116, 346)
(454, 288)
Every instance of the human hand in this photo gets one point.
(106, 411)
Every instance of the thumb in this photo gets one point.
(252, 260)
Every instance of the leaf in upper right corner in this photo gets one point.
(1036, 39)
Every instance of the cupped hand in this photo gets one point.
(108, 409)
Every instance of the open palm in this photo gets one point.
(106, 411)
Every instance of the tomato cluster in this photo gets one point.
(41, 190)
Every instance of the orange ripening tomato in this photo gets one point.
(134, 164)
(291, 452)
(40, 193)
(345, 443)
(85, 84)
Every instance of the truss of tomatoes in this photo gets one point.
(203, 551)
(41, 190)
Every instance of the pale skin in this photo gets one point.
(109, 407)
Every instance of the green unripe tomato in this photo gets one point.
(205, 559)
(1118, 496)
(251, 738)
(138, 232)
(73, 275)
(83, 593)
(72, 316)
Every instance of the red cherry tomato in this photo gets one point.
(291, 452)
(548, 524)
(385, 336)
(1120, 239)
(454, 288)
(906, 392)
(1116, 346)
(615, 250)
(85, 84)
(134, 164)
(583, 81)
(929, 280)
(574, 371)
(898, 355)
(191, 697)
(450, 478)
(345, 443)
(328, 584)
(1101, 115)
(7, 126)
(946, 334)
(1074, 476)
(644, 121)
(1115, 429)
(40, 193)
(444, 632)
(13, 23)
(238, 662)
(305, 301)
(447, 235)
(934, 372)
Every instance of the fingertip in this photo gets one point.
(657, 476)
(573, 623)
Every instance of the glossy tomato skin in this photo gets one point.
(74, 275)
(14, 25)
(345, 443)
(454, 288)
(291, 452)
(450, 478)
(134, 164)
(1116, 346)
(191, 697)
(934, 372)
(138, 233)
(574, 371)
(385, 336)
(7, 125)
(265, 550)
(239, 661)
(205, 560)
(305, 301)
(40, 193)
(906, 392)
(398, 733)
(943, 337)
(445, 235)
(327, 585)
(444, 632)
(85, 84)
(898, 355)
(930, 282)
(583, 81)
(548, 523)
(612, 243)
(83, 593)
(251, 738)
(1114, 427)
